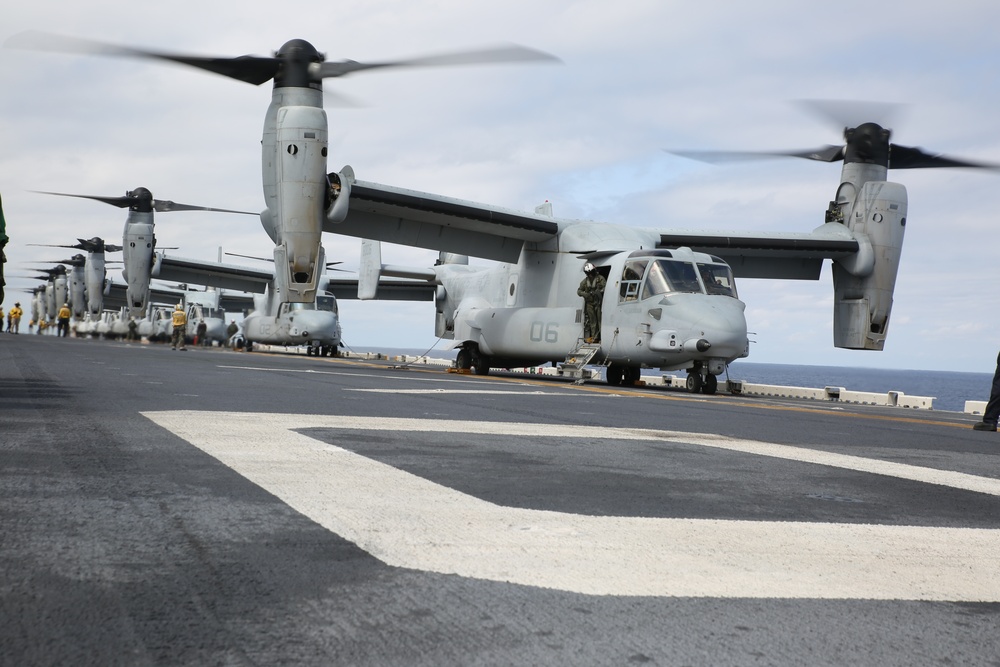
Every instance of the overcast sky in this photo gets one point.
(588, 135)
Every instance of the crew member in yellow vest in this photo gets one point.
(62, 326)
(15, 318)
(180, 328)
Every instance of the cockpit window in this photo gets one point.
(327, 303)
(666, 275)
(718, 279)
(632, 279)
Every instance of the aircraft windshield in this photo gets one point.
(326, 303)
(648, 277)
(718, 279)
(669, 275)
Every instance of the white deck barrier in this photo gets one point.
(975, 407)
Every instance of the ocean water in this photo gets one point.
(949, 389)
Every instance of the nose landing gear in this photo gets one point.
(697, 382)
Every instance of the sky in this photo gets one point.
(590, 135)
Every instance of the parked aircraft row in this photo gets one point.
(671, 300)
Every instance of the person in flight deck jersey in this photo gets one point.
(179, 321)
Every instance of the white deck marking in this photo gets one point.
(410, 522)
(464, 391)
(381, 376)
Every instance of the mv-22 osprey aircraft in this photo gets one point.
(297, 192)
(94, 272)
(138, 239)
(671, 300)
(659, 309)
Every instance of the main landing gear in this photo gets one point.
(470, 358)
(620, 374)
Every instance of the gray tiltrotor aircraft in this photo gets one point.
(670, 301)
(138, 240)
(94, 271)
(297, 191)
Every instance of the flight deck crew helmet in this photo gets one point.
(177, 307)
(588, 268)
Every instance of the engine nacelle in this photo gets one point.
(863, 289)
(339, 194)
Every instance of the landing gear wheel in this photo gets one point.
(481, 364)
(249, 347)
(615, 374)
(694, 383)
(463, 360)
(711, 384)
(632, 375)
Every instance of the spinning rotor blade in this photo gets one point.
(826, 153)
(140, 199)
(57, 270)
(851, 113)
(251, 69)
(296, 63)
(95, 244)
(120, 202)
(166, 206)
(865, 142)
(79, 260)
(53, 245)
(503, 54)
(904, 157)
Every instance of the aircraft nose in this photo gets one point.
(721, 328)
(707, 327)
(317, 325)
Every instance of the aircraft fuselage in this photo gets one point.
(658, 311)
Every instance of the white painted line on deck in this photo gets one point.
(508, 392)
(383, 376)
(410, 522)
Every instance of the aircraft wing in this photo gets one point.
(388, 290)
(407, 217)
(235, 303)
(211, 274)
(786, 256)
(116, 296)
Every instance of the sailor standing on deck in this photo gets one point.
(992, 411)
(179, 321)
(62, 321)
(15, 318)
